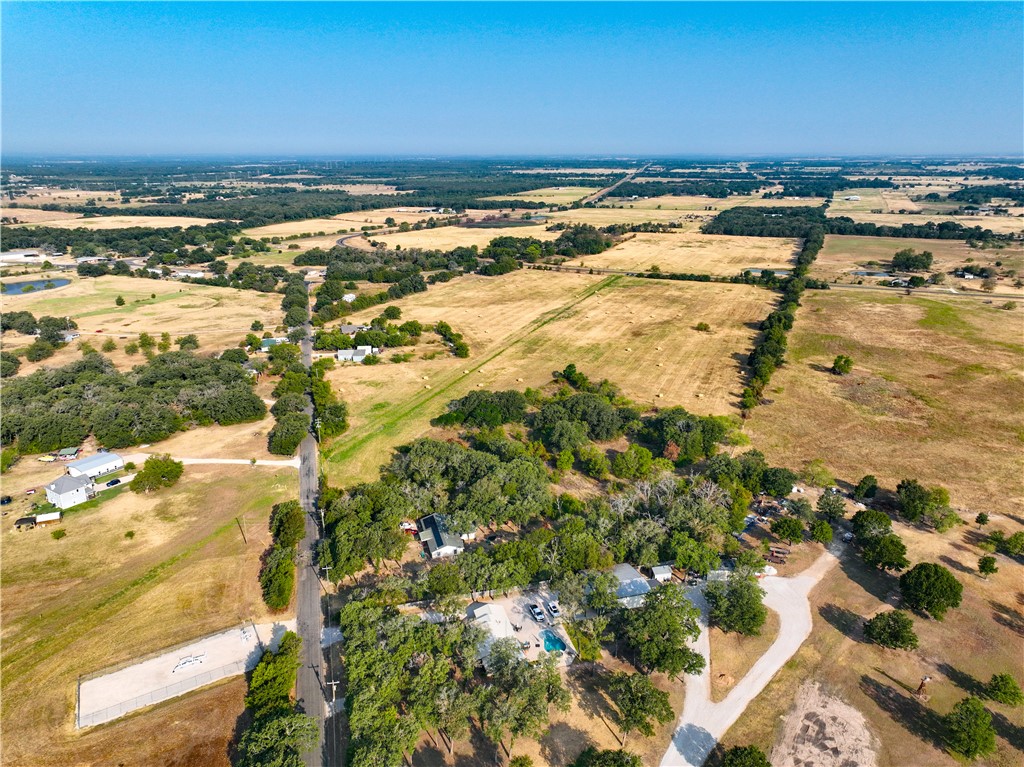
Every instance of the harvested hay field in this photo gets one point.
(998, 224)
(46, 195)
(845, 254)
(186, 571)
(554, 195)
(960, 653)
(37, 216)
(638, 333)
(697, 253)
(604, 216)
(306, 226)
(935, 395)
(126, 222)
(449, 237)
(178, 308)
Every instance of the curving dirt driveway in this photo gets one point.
(703, 722)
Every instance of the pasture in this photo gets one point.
(934, 395)
(694, 252)
(845, 254)
(449, 237)
(637, 333)
(186, 571)
(552, 195)
(125, 222)
(37, 216)
(881, 206)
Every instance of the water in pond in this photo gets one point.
(871, 274)
(30, 286)
(552, 641)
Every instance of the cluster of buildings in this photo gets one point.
(77, 485)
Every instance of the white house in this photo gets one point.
(348, 298)
(440, 541)
(67, 491)
(633, 586)
(358, 354)
(493, 619)
(96, 465)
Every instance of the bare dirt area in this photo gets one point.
(449, 237)
(188, 569)
(935, 395)
(823, 731)
(979, 638)
(126, 222)
(844, 255)
(692, 252)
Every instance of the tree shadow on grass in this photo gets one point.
(881, 585)
(1007, 616)
(562, 743)
(586, 682)
(844, 621)
(952, 564)
(963, 680)
(1013, 733)
(906, 710)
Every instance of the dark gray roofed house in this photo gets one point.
(440, 541)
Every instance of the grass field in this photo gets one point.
(96, 598)
(935, 395)
(449, 237)
(553, 195)
(845, 254)
(37, 216)
(125, 222)
(694, 252)
(340, 223)
(980, 638)
(873, 199)
(637, 333)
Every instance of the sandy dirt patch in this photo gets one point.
(823, 731)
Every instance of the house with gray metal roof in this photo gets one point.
(67, 491)
(633, 585)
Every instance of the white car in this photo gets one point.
(553, 609)
(536, 613)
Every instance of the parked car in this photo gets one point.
(113, 482)
(847, 537)
(553, 609)
(537, 613)
(47, 458)
(5, 500)
(30, 491)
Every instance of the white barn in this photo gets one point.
(96, 465)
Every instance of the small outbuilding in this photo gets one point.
(662, 573)
(269, 343)
(52, 518)
(24, 523)
(67, 491)
(96, 465)
(359, 354)
(68, 453)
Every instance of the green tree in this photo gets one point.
(593, 462)
(831, 506)
(842, 365)
(816, 473)
(821, 531)
(981, 520)
(894, 629)
(658, 631)
(870, 523)
(634, 463)
(931, 588)
(1003, 688)
(109, 345)
(745, 756)
(564, 461)
(277, 577)
(736, 606)
(987, 566)
(591, 757)
(969, 730)
(256, 325)
(119, 301)
(158, 471)
(287, 523)
(131, 348)
(1014, 545)
(165, 343)
(866, 488)
(640, 704)
(886, 553)
(188, 343)
(788, 529)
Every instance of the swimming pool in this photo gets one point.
(552, 641)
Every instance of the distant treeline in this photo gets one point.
(816, 186)
(723, 187)
(136, 241)
(981, 195)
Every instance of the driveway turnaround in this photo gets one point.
(703, 722)
(175, 672)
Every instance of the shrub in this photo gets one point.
(893, 629)
(1003, 688)
(703, 327)
(59, 533)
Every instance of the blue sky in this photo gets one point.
(505, 79)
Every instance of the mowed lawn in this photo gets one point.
(693, 252)
(96, 598)
(934, 395)
(520, 327)
(845, 254)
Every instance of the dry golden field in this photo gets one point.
(44, 195)
(37, 216)
(893, 200)
(698, 253)
(845, 254)
(96, 598)
(934, 395)
(554, 195)
(125, 222)
(637, 333)
(449, 237)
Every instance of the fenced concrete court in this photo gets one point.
(107, 696)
